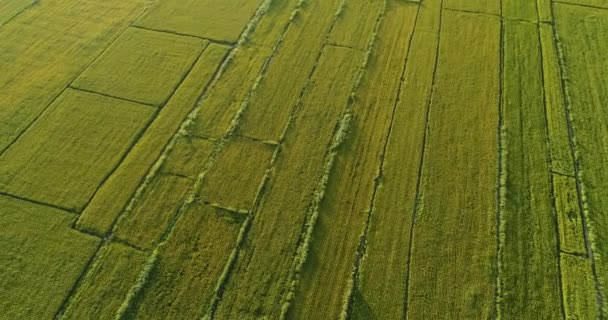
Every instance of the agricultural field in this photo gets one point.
(304, 159)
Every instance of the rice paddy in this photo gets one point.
(304, 159)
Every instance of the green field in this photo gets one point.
(304, 159)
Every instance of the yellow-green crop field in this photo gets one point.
(304, 159)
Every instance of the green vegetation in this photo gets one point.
(189, 264)
(224, 22)
(583, 36)
(78, 140)
(478, 6)
(243, 72)
(303, 159)
(455, 232)
(143, 66)
(334, 244)
(528, 241)
(388, 230)
(144, 224)
(114, 194)
(225, 185)
(10, 9)
(278, 91)
(46, 48)
(355, 24)
(259, 280)
(107, 284)
(41, 258)
(188, 156)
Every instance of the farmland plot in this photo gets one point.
(114, 194)
(303, 159)
(41, 258)
(47, 47)
(79, 140)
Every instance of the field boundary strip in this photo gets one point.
(580, 188)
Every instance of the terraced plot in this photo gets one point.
(304, 159)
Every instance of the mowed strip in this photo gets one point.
(259, 280)
(142, 66)
(288, 74)
(381, 285)
(529, 267)
(105, 287)
(114, 194)
(45, 48)
(325, 277)
(78, 141)
(41, 258)
(220, 20)
(452, 271)
(583, 36)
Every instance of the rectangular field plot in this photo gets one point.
(144, 225)
(189, 265)
(188, 156)
(71, 148)
(107, 283)
(234, 180)
(221, 20)
(143, 66)
(42, 257)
